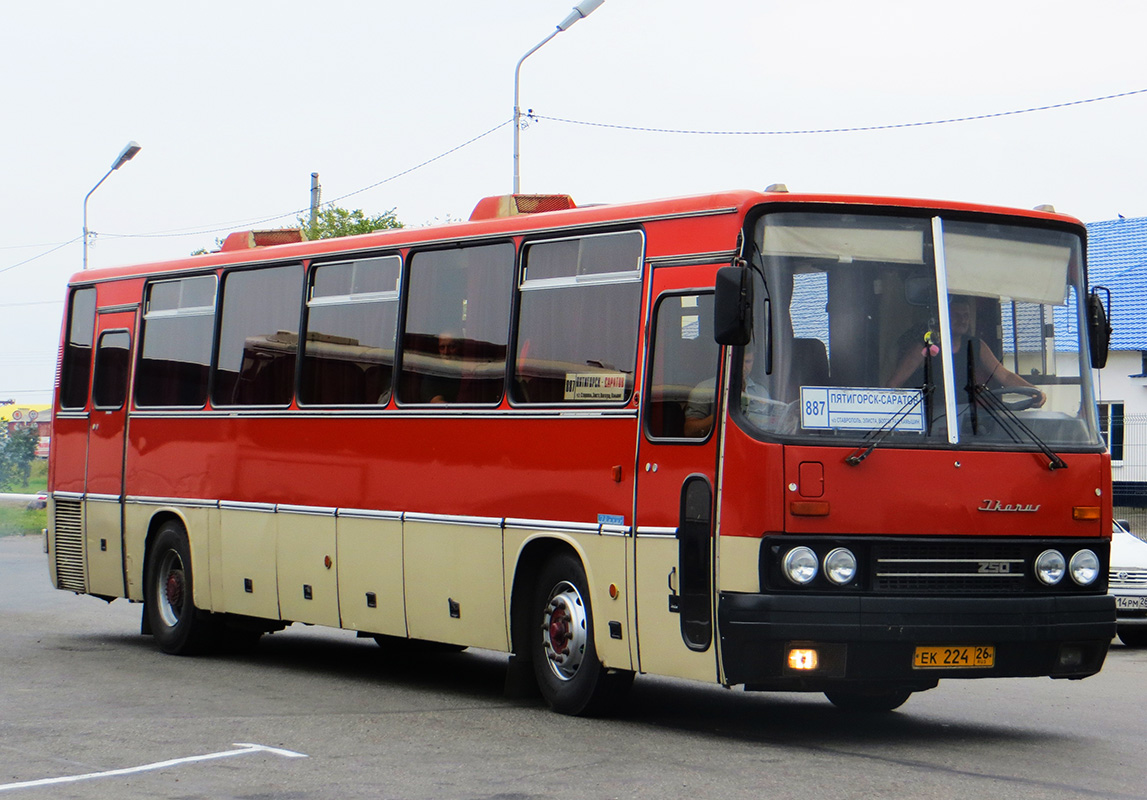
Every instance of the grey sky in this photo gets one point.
(236, 103)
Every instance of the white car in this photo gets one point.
(1128, 582)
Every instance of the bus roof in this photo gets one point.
(730, 202)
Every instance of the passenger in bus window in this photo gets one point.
(756, 402)
(988, 368)
(442, 386)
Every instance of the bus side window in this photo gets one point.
(255, 360)
(683, 365)
(77, 365)
(578, 319)
(352, 320)
(175, 343)
(457, 325)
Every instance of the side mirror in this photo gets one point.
(733, 306)
(1098, 326)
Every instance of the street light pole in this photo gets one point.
(126, 155)
(582, 9)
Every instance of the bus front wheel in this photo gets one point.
(569, 674)
(177, 625)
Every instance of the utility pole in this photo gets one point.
(316, 198)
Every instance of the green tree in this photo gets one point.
(17, 450)
(333, 221)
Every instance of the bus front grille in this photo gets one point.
(959, 568)
(69, 545)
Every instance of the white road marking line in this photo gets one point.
(247, 749)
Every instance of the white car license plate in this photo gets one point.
(1122, 601)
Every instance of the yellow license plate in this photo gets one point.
(959, 657)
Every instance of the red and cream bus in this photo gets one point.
(789, 442)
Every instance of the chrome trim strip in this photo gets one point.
(692, 259)
(171, 501)
(232, 505)
(650, 532)
(74, 414)
(366, 513)
(102, 498)
(553, 525)
(316, 511)
(68, 495)
(615, 530)
(117, 308)
(450, 519)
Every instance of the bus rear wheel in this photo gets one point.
(177, 625)
(869, 699)
(569, 674)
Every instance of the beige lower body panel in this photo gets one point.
(250, 582)
(103, 542)
(369, 560)
(661, 646)
(454, 587)
(305, 554)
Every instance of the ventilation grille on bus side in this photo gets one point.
(69, 545)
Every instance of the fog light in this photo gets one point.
(800, 565)
(1084, 567)
(803, 658)
(1050, 567)
(1070, 657)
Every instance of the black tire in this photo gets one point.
(177, 625)
(869, 699)
(569, 674)
(1133, 637)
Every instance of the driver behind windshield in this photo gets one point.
(910, 372)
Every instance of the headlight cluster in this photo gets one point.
(801, 566)
(1052, 565)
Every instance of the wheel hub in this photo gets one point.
(564, 627)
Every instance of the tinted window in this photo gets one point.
(113, 357)
(178, 323)
(682, 396)
(352, 317)
(77, 362)
(457, 318)
(578, 320)
(258, 337)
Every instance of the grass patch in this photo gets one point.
(16, 521)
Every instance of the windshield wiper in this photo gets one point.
(999, 411)
(877, 436)
(874, 438)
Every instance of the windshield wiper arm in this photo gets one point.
(877, 436)
(1013, 425)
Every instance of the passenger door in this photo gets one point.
(676, 476)
(103, 482)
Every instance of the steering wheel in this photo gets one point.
(1029, 397)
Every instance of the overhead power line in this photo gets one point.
(856, 129)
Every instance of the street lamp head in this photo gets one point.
(582, 9)
(126, 155)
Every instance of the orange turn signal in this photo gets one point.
(1085, 512)
(809, 508)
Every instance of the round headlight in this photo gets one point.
(800, 565)
(1084, 567)
(840, 566)
(1050, 566)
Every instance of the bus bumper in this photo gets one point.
(874, 639)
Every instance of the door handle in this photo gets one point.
(669, 579)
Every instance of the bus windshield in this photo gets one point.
(928, 331)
